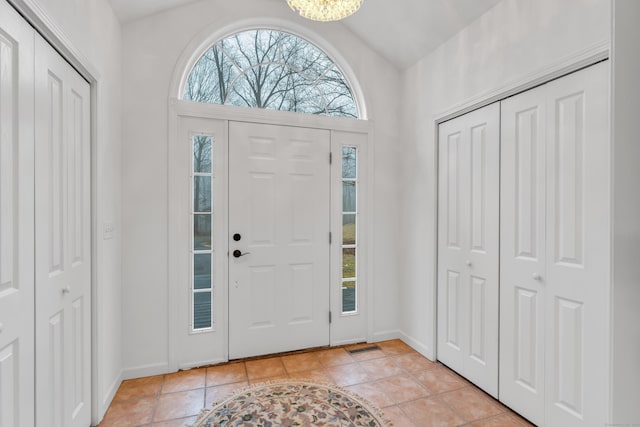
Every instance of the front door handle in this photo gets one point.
(238, 253)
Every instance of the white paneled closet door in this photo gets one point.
(468, 258)
(555, 250)
(16, 220)
(63, 249)
(522, 251)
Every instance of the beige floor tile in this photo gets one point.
(181, 404)
(382, 368)
(471, 404)
(431, 413)
(129, 413)
(140, 387)
(184, 380)
(319, 375)
(301, 362)
(219, 393)
(226, 374)
(398, 417)
(439, 380)
(395, 347)
(414, 362)
(372, 392)
(346, 375)
(403, 389)
(335, 357)
(368, 355)
(265, 368)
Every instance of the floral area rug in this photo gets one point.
(292, 403)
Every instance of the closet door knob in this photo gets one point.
(1, 327)
(537, 277)
(469, 263)
(66, 289)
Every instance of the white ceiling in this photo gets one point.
(403, 31)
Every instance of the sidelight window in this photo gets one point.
(349, 229)
(202, 215)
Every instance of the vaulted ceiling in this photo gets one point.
(403, 31)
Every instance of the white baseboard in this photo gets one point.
(385, 336)
(418, 346)
(146, 371)
(106, 399)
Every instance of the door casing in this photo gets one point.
(345, 329)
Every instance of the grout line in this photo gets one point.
(155, 406)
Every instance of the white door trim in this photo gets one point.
(179, 109)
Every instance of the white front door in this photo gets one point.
(279, 200)
(63, 236)
(16, 220)
(468, 257)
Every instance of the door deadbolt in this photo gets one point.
(237, 237)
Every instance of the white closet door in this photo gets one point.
(578, 249)
(555, 250)
(468, 291)
(522, 253)
(16, 220)
(63, 250)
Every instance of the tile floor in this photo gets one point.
(411, 390)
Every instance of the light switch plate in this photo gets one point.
(108, 228)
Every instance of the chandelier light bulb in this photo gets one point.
(325, 10)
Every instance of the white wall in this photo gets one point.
(625, 338)
(508, 45)
(93, 30)
(152, 46)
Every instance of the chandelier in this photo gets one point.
(325, 10)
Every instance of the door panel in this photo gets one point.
(16, 220)
(279, 204)
(63, 261)
(578, 247)
(468, 246)
(522, 254)
(555, 250)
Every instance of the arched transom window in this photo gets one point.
(271, 69)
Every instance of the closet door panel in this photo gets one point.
(63, 231)
(522, 254)
(482, 261)
(578, 247)
(453, 244)
(468, 246)
(16, 220)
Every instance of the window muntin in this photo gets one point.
(273, 70)
(202, 216)
(349, 281)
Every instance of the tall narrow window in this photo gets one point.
(201, 182)
(349, 229)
